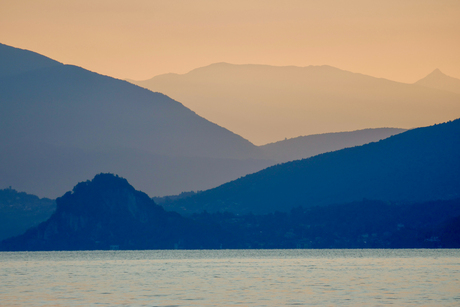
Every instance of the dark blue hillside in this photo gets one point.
(418, 165)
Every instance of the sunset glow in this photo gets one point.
(401, 41)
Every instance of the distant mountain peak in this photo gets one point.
(437, 72)
(438, 80)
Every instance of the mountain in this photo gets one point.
(61, 124)
(20, 211)
(14, 61)
(417, 165)
(108, 213)
(440, 81)
(266, 104)
(311, 145)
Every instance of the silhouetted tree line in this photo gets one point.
(364, 224)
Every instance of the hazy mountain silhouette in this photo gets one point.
(440, 81)
(106, 213)
(266, 103)
(311, 145)
(19, 211)
(417, 165)
(61, 124)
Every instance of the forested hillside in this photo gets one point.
(422, 164)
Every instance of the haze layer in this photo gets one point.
(267, 103)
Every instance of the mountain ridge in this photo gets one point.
(61, 124)
(16, 61)
(311, 145)
(266, 103)
(417, 165)
(96, 123)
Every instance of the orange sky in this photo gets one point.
(401, 40)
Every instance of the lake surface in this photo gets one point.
(231, 277)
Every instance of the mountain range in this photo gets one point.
(265, 104)
(61, 124)
(421, 164)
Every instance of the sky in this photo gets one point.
(138, 39)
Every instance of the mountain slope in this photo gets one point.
(108, 212)
(15, 61)
(266, 103)
(19, 211)
(418, 165)
(60, 124)
(440, 81)
(311, 145)
(67, 105)
(48, 170)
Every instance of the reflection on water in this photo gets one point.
(231, 277)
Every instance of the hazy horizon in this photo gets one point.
(265, 104)
(400, 41)
(281, 66)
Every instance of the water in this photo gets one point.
(231, 277)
